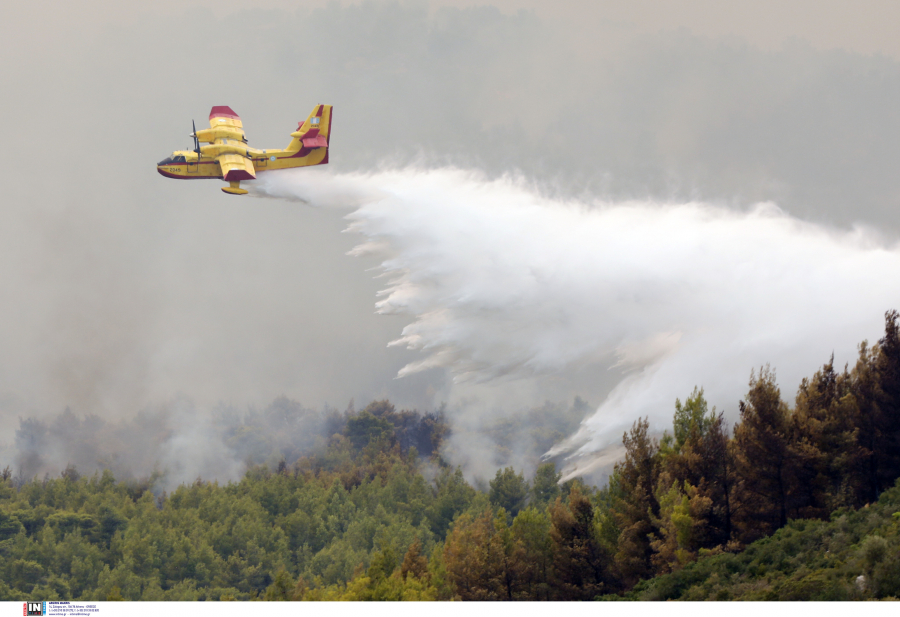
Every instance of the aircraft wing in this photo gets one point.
(236, 167)
(222, 116)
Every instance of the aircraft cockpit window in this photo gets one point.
(165, 161)
(178, 159)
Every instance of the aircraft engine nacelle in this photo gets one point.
(229, 148)
(208, 136)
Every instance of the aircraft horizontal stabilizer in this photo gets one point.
(312, 139)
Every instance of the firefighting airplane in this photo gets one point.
(230, 158)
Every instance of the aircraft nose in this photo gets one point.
(164, 173)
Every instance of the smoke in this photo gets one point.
(125, 289)
(501, 285)
(172, 443)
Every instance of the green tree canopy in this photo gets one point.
(509, 490)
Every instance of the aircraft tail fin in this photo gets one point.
(315, 132)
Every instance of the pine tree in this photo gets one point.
(864, 386)
(699, 456)
(414, 563)
(545, 486)
(533, 556)
(509, 490)
(775, 472)
(691, 418)
(825, 419)
(579, 562)
(636, 505)
(717, 482)
(474, 558)
(875, 385)
(887, 440)
(683, 513)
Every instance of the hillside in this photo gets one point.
(853, 556)
(794, 502)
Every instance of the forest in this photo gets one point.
(794, 502)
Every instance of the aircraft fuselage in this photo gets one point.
(184, 164)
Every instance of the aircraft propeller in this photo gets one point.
(196, 141)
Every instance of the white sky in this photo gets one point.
(862, 26)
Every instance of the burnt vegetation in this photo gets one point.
(796, 501)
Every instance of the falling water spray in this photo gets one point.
(500, 282)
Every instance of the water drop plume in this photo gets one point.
(501, 282)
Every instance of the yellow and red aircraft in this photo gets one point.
(229, 158)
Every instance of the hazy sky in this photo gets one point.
(121, 288)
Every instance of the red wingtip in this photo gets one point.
(223, 111)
